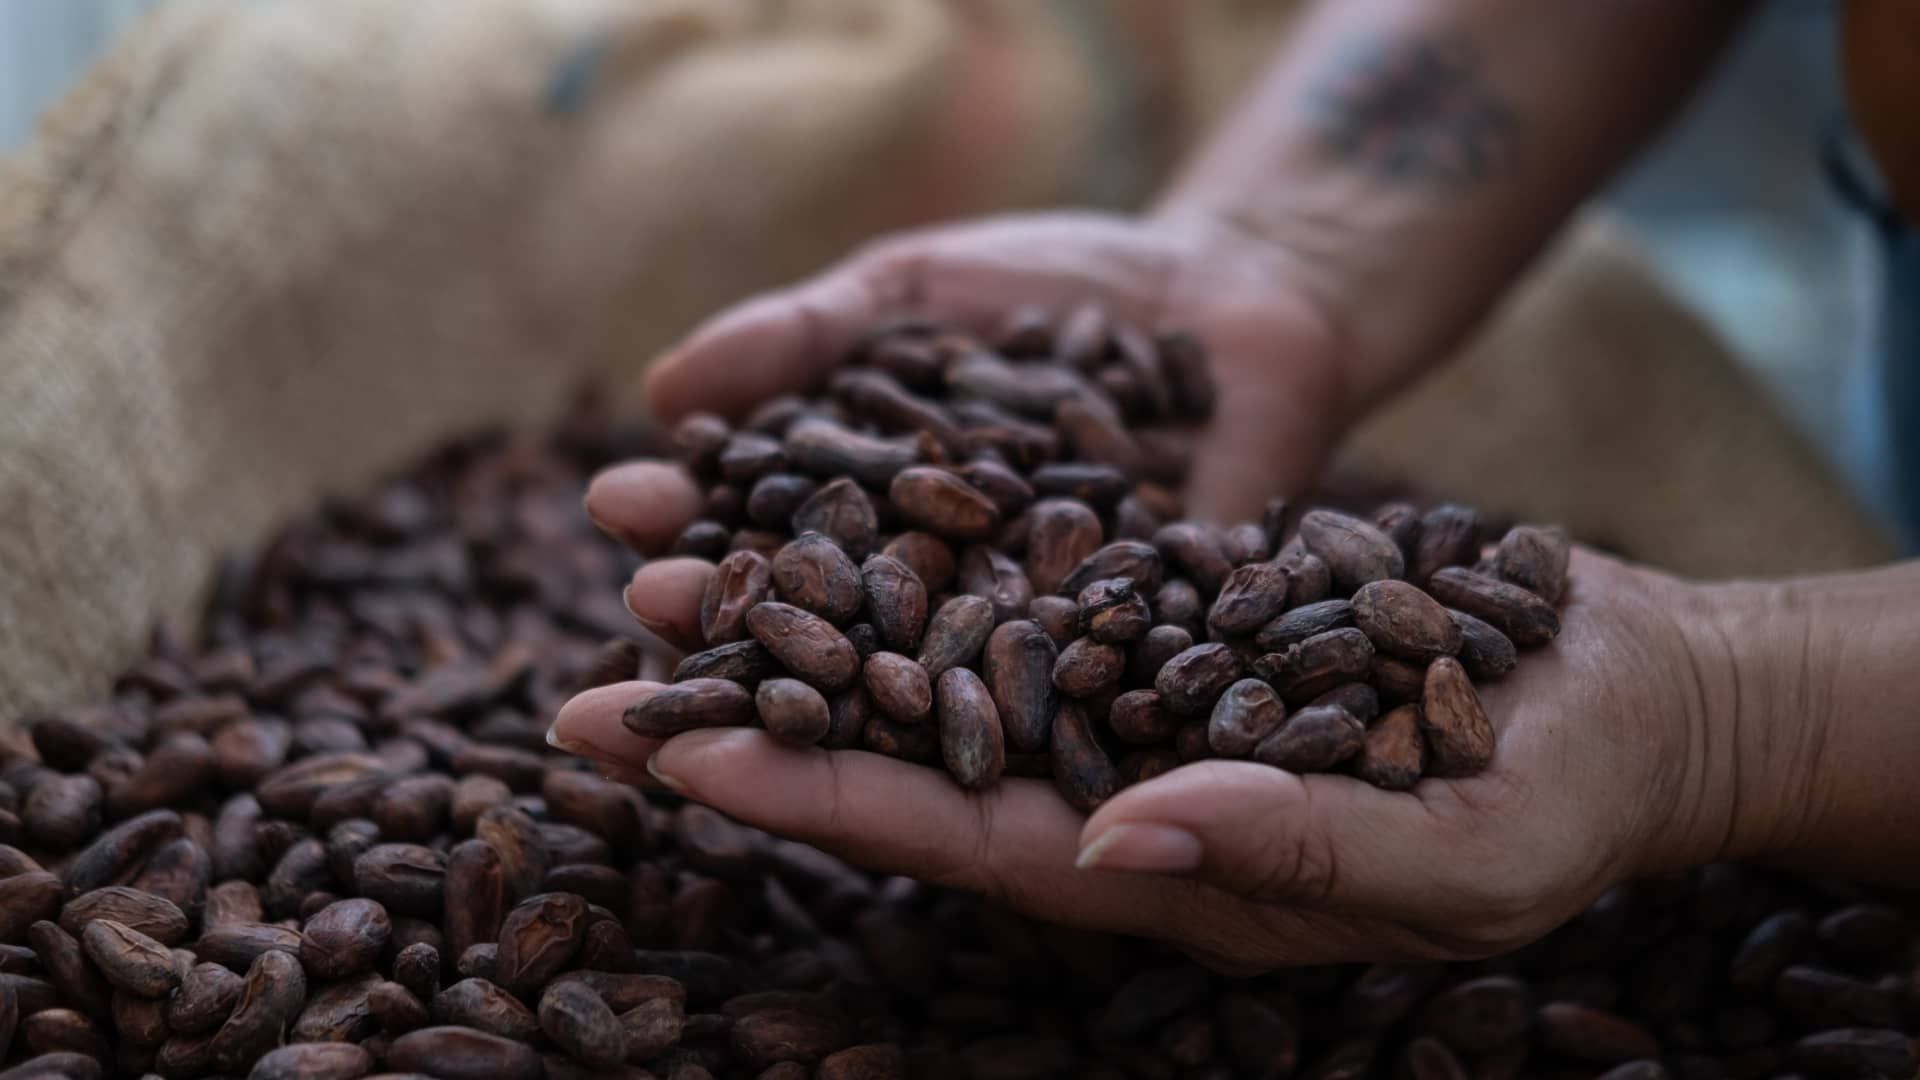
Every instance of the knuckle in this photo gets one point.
(971, 865)
(1295, 864)
(1296, 860)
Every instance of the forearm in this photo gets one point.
(1819, 699)
(1412, 155)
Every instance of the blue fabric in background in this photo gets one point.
(1897, 378)
(1882, 406)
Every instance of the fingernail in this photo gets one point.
(586, 505)
(653, 767)
(554, 740)
(559, 741)
(1142, 849)
(659, 628)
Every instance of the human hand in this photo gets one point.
(1272, 341)
(1608, 765)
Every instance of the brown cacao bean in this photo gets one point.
(896, 601)
(842, 512)
(1252, 597)
(1449, 536)
(1246, 714)
(1018, 668)
(695, 703)
(824, 448)
(460, 1053)
(270, 999)
(1592, 1035)
(1355, 551)
(792, 711)
(1134, 560)
(313, 1061)
(1402, 621)
(344, 938)
(129, 959)
(744, 662)
(1086, 667)
(1314, 739)
(943, 504)
(1059, 616)
(1522, 616)
(1111, 611)
(1394, 754)
(740, 581)
(1486, 653)
(1178, 603)
(899, 686)
(956, 634)
(1081, 769)
(207, 994)
(26, 899)
(805, 644)
(1195, 552)
(811, 572)
(971, 741)
(1191, 681)
(1535, 559)
(1318, 664)
(987, 573)
(1136, 717)
(580, 1023)
(1457, 729)
(154, 916)
(1061, 536)
(537, 939)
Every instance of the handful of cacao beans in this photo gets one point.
(970, 554)
(322, 836)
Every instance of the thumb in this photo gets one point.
(1323, 842)
(774, 344)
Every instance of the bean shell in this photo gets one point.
(971, 740)
(1458, 732)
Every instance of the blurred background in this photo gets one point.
(282, 248)
(1731, 204)
(1765, 252)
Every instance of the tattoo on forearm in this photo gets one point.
(1413, 111)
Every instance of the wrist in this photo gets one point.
(1810, 722)
(1382, 320)
(1829, 732)
(1756, 727)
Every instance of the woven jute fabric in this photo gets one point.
(265, 252)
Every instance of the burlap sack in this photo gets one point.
(267, 251)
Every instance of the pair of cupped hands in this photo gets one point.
(1596, 777)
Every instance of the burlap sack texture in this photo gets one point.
(269, 251)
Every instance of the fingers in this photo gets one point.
(766, 346)
(1014, 842)
(1321, 842)
(1274, 418)
(665, 596)
(1257, 445)
(967, 276)
(589, 726)
(644, 504)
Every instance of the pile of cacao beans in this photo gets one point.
(320, 835)
(968, 554)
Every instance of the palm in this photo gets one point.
(1296, 868)
(1584, 777)
(1270, 350)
